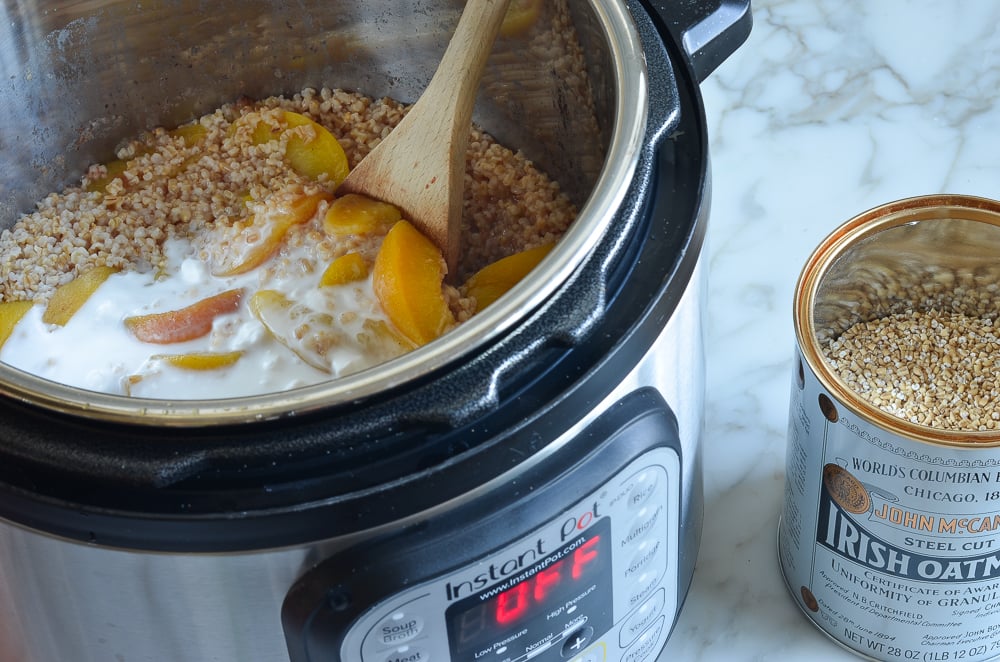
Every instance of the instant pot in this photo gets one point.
(527, 487)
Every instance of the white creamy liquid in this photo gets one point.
(95, 351)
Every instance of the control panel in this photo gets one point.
(596, 582)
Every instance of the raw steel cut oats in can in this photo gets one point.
(889, 538)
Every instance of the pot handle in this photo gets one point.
(708, 31)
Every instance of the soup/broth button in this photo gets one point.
(399, 628)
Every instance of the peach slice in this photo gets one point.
(113, 170)
(70, 297)
(381, 342)
(187, 323)
(308, 333)
(492, 281)
(200, 360)
(359, 214)
(521, 15)
(345, 269)
(312, 151)
(11, 313)
(261, 238)
(407, 278)
(192, 133)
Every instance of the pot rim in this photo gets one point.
(627, 136)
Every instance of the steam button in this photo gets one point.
(643, 587)
(399, 628)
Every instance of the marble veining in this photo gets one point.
(831, 107)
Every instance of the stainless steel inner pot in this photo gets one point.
(78, 77)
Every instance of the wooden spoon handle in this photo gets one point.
(420, 166)
(457, 76)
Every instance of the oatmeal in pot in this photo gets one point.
(215, 260)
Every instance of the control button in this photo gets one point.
(640, 619)
(399, 628)
(595, 654)
(643, 487)
(577, 641)
(643, 557)
(643, 587)
(408, 654)
(647, 646)
(644, 524)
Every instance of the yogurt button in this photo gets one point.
(646, 646)
(641, 618)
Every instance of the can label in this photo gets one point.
(890, 545)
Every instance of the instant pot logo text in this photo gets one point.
(838, 532)
(528, 561)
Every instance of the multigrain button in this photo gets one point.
(644, 486)
(644, 524)
(408, 654)
(640, 619)
(399, 628)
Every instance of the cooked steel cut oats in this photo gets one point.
(241, 200)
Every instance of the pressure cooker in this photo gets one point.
(526, 487)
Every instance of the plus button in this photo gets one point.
(577, 641)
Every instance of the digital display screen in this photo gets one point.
(539, 599)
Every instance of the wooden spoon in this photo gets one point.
(420, 166)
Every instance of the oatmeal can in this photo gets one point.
(889, 538)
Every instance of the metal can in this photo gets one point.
(889, 538)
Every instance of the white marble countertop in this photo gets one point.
(831, 107)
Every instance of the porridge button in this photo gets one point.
(645, 556)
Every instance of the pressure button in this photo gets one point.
(647, 645)
(399, 628)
